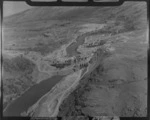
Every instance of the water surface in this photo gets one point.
(31, 96)
(72, 48)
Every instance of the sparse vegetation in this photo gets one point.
(17, 78)
(18, 64)
(98, 93)
(61, 65)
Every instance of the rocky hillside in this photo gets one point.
(118, 86)
(18, 75)
(18, 64)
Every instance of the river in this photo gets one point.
(31, 96)
(72, 48)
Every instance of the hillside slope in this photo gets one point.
(133, 10)
(117, 87)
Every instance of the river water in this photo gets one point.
(31, 96)
(72, 48)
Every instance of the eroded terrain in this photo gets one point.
(102, 61)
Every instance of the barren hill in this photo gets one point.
(133, 10)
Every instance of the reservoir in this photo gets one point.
(31, 96)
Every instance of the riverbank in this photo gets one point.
(42, 107)
(34, 93)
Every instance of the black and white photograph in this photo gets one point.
(75, 62)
